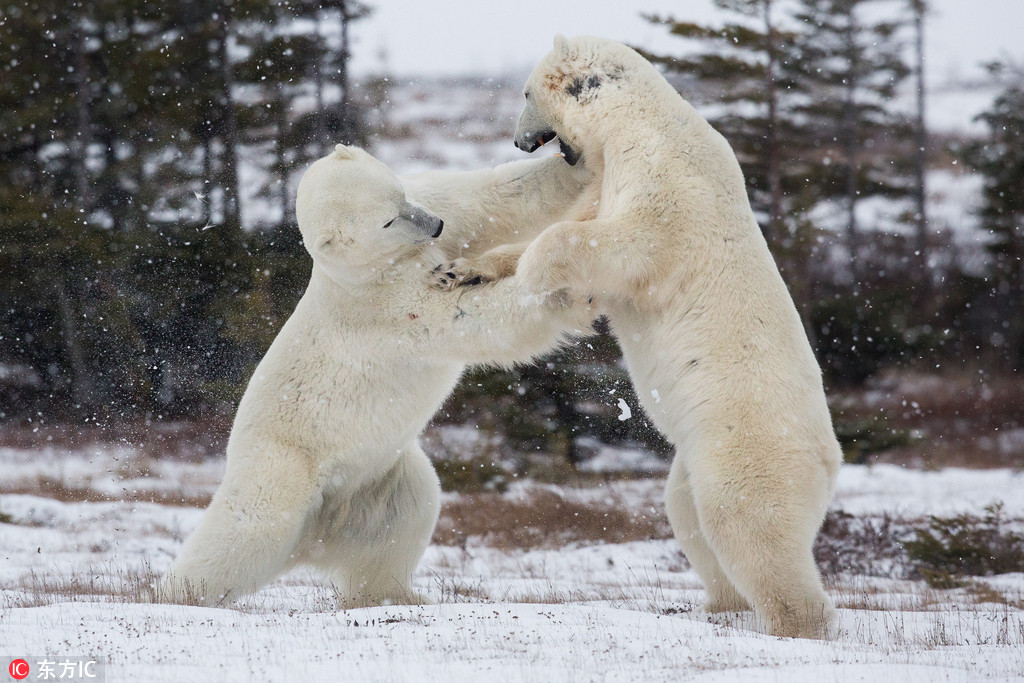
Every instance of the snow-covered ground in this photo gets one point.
(584, 612)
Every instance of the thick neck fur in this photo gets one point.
(386, 275)
(601, 131)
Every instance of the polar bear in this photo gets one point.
(323, 466)
(708, 330)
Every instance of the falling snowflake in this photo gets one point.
(626, 412)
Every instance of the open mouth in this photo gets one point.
(536, 143)
(570, 155)
(545, 137)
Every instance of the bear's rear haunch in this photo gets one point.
(708, 330)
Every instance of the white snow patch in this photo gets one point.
(613, 612)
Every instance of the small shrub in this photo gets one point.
(6, 518)
(860, 545)
(861, 437)
(965, 545)
(471, 476)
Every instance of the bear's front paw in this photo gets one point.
(458, 273)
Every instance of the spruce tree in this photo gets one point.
(999, 158)
(741, 68)
(849, 67)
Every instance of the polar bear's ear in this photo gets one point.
(343, 152)
(562, 46)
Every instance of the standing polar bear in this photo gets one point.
(323, 465)
(708, 330)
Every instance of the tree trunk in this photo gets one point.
(81, 379)
(229, 166)
(279, 153)
(207, 205)
(82, 135)
(775, 228)
(110, 192)
(849, 137)
(920, 161)
(349, 134)
(320, 117)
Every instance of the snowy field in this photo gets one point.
(85, 531)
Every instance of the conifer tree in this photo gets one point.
(999, 157)
(742, 68)
(849, 66)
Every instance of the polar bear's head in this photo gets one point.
(562, 90)
(354, 216)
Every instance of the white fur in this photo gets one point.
(323, 465)
(705, 322)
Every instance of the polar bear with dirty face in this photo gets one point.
(323, 464)
(708, 330)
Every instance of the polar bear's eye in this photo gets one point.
(388, 224)
(526, 94)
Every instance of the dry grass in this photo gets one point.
(56, 489)
(109, 584)
(982, 593)
(175, 439)
(452, 590)
(542, 519)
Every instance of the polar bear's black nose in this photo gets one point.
(440, 227)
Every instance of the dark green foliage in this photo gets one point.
(965, 545)
(858, 334)
(471, 476)
(848, 69)
(551, 405)
(999, 157)
(861, 437)
(128, 282)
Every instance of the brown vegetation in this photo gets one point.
(965, 420)
(60, 490)
(542, 519)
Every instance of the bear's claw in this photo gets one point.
(458, 273)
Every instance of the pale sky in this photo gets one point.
(447, 37)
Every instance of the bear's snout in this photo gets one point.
(533, 141)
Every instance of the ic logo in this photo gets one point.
(18, 669)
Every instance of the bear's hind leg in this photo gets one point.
(246, 538)
(722, 595)
(372, 556)
(762, 533)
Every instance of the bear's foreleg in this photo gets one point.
(495, 323)
(598, 257)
